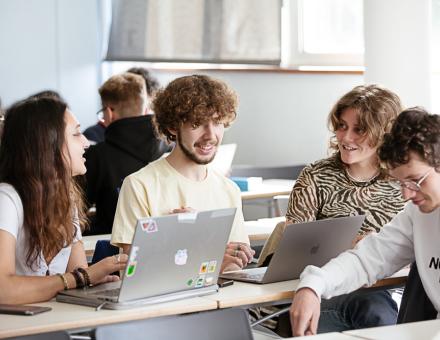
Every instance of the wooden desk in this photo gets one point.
(246, 294)
(269, 189)
(408, 331)
(65, 316)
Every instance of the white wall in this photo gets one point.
(282, 117)
(51, 44)
(55, 44)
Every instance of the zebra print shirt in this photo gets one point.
(323, 190)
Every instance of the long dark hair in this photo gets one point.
(33, 162)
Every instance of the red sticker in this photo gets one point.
(149, 226)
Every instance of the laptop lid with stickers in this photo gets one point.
(171, 257)
(176, 253)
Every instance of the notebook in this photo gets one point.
(171, 257)
(303, 244)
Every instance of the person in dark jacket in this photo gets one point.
(96, 133)
(130, 144)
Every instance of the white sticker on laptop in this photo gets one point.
(188, 217)
(133, 253)
(181, 257)
(149, 226)
(209, 280)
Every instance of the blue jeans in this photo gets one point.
(360, 309)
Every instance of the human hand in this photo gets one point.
(101, 271)
(304, 312)
(237, 255)
(361, 237)
(182, 210)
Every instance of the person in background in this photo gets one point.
(41, 216)
(411, 152)
(350, 182)
(193, 112)
(151, 83)
(130, 144)
(96, 133)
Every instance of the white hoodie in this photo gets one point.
(411, 235)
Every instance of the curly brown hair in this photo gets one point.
(415, 130)
(377, 108)
(193, 99)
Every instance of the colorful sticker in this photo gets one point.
(204, 268)
(133, 254)
(209, 280)
(211, 266)
(149, 226)
(200, 281)
(131, 269)
(181, 257)
(190, 282)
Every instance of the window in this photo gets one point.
(324, 32)
(227, 31)
(271, 32)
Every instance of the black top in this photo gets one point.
(95, 133)
(130, 144)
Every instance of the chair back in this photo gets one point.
(103, 249)
(415, 305)
(231, 324)
(61, 335)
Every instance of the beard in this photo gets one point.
(192, 155)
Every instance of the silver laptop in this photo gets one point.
(303, 244)
(171, 257)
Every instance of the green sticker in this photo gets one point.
(190, 282)
(131, 269)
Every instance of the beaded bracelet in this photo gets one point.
(65, 283)
(79, 279)
(86, 276)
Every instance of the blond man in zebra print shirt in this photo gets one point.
(350, 182)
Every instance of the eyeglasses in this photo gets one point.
(414, 186)
(100, 114)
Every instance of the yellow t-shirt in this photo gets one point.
(158, 188)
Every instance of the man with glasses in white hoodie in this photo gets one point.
(411, 151)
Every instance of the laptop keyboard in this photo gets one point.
(249, 276)
(108, 292)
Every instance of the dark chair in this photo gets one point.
(61, 335)
(415, 305)
(103, 249)
(231, 324)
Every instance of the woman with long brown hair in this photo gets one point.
(41, 213)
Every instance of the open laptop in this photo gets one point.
(303, 244)
(223, 158)
(171, 257)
